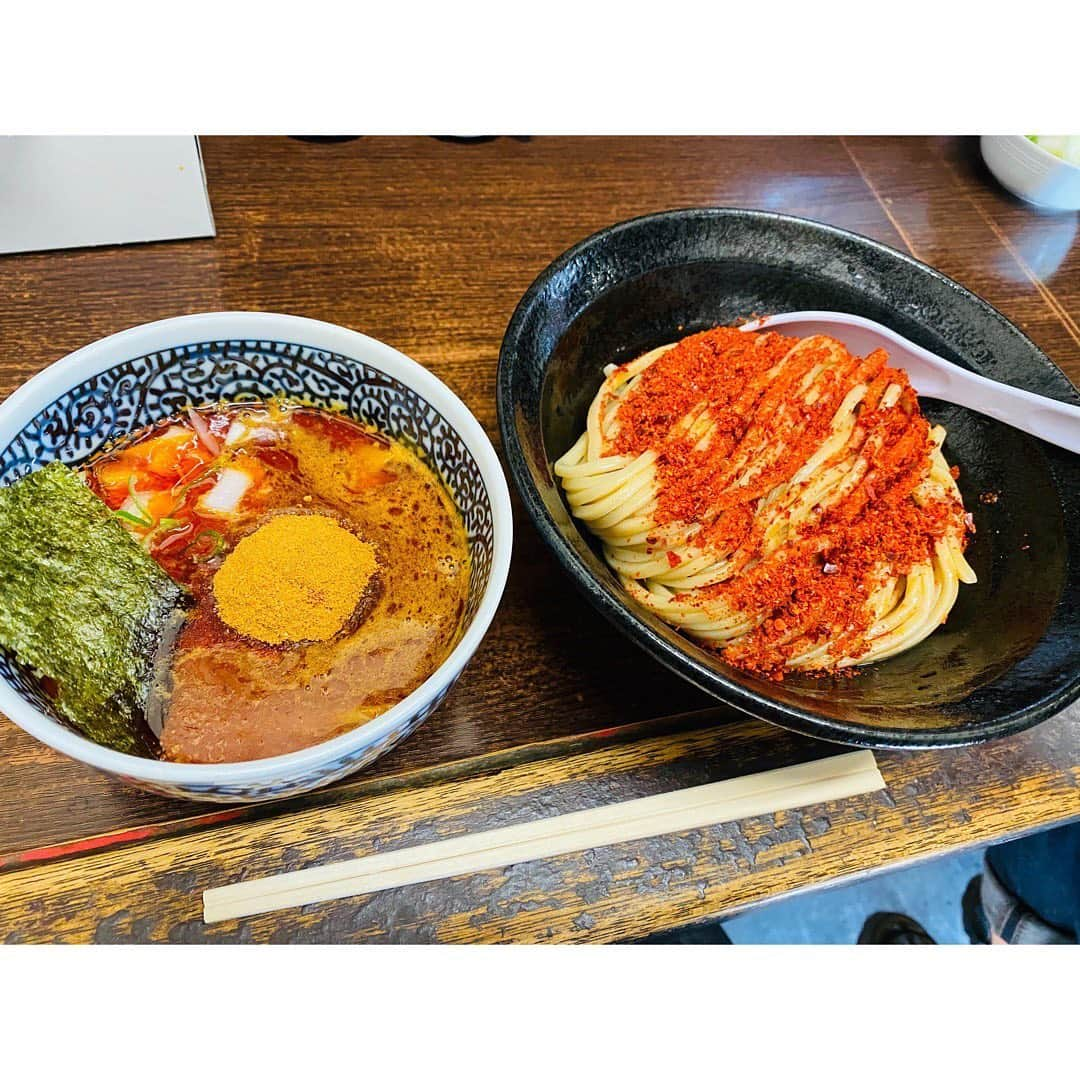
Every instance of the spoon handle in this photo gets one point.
(934, 377)
(1043, 417)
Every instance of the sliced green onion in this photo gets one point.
(125, 516)
(181, 493)
(218, 545)
(140, 506)
(132, 492)
(164, 526)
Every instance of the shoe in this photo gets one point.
(891, 928)
(975, 923)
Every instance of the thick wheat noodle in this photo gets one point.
(664, 568)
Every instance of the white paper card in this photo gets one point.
(81, 191)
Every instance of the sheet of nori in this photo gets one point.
(81, 603)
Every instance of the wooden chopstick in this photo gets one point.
(621, 812)
(636, 819)
(616, 813)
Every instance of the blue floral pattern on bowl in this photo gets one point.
(129, 395)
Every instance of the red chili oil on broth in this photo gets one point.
(192, 488)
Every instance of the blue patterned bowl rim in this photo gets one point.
(38, 392)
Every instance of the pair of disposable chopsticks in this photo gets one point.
(637, 819)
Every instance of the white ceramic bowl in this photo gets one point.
(1032, 173)
(133, 378)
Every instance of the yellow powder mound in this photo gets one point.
(297, 578)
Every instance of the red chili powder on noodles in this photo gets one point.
(768, 419)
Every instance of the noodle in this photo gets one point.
(776, 498)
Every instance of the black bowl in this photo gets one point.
(1009, 655)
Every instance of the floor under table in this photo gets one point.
(929, 892)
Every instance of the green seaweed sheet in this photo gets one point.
(81, 603)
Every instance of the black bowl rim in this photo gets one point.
(681, 661)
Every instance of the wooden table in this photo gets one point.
(428, 244)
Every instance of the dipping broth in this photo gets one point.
(327, 565)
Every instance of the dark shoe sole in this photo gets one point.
(892, 928)
(975, 925)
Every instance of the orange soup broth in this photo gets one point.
(189, 489)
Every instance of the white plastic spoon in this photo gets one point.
(932, 376)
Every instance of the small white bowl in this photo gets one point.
(133, 378)
(1032, 173)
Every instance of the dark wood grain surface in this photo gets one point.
(428, 244)
(152, 891)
